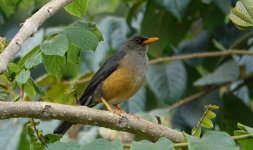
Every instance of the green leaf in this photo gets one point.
(37, 88)
(245, 128)
(53, 64)
(212, 140)
(29, 89)
(105, 6)
(64, 146)
(24, 140)
(102, 144)
(227, 72)
(33, 61)
(168, 81)
(23, 76)
(28, 55)
(210, 114)
(57, 45)
(51, 138)
(207, 123)
(73, 54)
(13, 67)
(175, 7)
(94, 29)
(242, 14)
(245, 144)
(80, 35)
(161, 144)
(196, 131)
(77, 7)
(3, 94)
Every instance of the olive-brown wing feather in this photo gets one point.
(108, 67)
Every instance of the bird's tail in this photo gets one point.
(65, 125)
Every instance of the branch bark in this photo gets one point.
(201, 55)
(30, 26)
(88, 116)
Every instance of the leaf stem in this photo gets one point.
(37, 133)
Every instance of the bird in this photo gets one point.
(119, 78)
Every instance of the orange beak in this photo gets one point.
(151, 40)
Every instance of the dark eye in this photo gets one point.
(138, 41)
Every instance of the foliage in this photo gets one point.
(56, 64)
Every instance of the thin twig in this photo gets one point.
(37, 133)
(192, 97)
(158, 118)
(201, 55)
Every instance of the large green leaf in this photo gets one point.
(81, 36)
(227, 72)
(73, 54)
(102, 144)
(168, 81)
(33, 61)
(57, 45)
(175, 7)
(161, 144)
(212, 140)
(77, 7)
(23, 76)
(53, 64)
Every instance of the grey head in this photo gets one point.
(138, 43)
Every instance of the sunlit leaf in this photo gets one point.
(206, 122)
(57, 45)
(23, 76)
(33, 61)
(242, 14)
(77, 7)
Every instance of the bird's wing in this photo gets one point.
(108, 67)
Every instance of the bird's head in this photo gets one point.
(139, 42)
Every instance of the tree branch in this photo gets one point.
(30, 26)
(201, 55)
(88, 116)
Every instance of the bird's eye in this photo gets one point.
(138, 41)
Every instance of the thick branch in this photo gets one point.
(30, 26)
(88, 116)
(201, 55)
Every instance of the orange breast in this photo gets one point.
(120, 85)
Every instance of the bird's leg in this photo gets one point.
(119, 109)
(109, 108)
